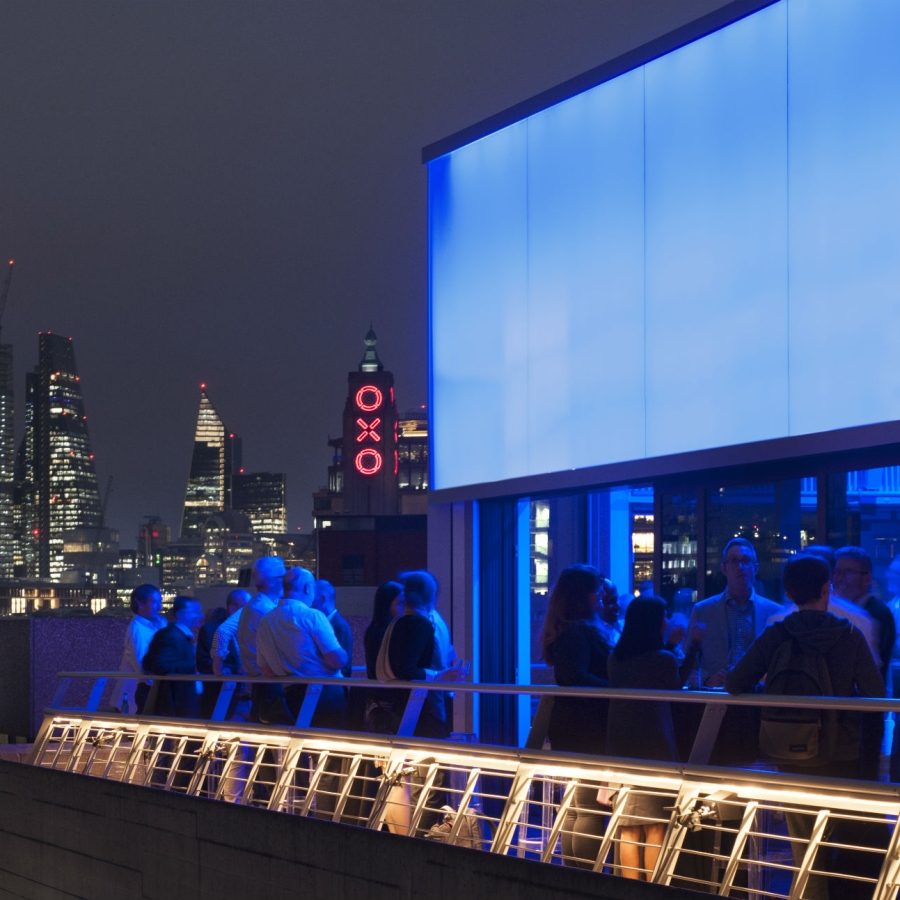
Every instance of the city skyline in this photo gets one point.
(230, 194)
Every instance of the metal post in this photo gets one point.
(411, 713)
(518, 793)
(740, 841)
(223, 701)
(564, 804)
(308, 707)
(798, 888)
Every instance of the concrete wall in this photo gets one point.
(34, 649)
(65, 836)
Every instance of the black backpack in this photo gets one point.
(804, 737)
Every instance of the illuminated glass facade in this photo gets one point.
(261, 496)
(7, 462)
(675, 283)
(665, 263)
(216, 457)
(412, 474)
(25, 491)
(55, 481)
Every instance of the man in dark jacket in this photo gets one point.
(852, 672)
(172, 652)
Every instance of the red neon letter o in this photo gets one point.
(368, 461)
(369, 390)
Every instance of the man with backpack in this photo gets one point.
(810, 653)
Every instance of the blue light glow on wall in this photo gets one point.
(700, 253)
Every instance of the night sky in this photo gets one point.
(230, 192)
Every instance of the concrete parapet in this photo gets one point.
(64, 836)
(34, 648)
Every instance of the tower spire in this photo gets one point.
(370, 361)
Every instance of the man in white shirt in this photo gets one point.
(296, 639)
(268, 579)
(146, 604)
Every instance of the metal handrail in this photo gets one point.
(715, 703)
(715, 698)
(521, 797)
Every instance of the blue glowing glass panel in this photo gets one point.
(703, 252)
(844, 213)
(716, 249)
(585, 282)
(478, 250)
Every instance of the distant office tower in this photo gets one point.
(261, 497)
(412, 451)
(7, 462)
(153, 536)
(56, 484)
(25, 492)
(216, 457)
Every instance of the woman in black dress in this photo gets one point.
(577, 642)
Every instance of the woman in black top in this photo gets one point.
(382, 616)
(409, 653)
(644, 729)
(578, 649)
(575, 643)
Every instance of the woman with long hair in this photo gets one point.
(643, 729)
(383, 613)
(576, 645)
(577, 641)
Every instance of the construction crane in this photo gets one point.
(5, 293)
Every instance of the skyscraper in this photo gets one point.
(261, 497)
(216, 457)
(7, 442)
(56, 484)
(25, 491)
(7, 461)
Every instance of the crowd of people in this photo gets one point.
(829, 635)
(289, 626)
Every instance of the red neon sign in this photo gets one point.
(368, 461)
(369, 398)
(368, 430)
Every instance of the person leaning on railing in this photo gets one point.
(576, 643)
(831, 747)
(645, 730)
(409, 652)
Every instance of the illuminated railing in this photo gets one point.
(722, 830)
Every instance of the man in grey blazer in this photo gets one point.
(725, 625)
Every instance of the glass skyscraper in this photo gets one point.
(55, 480)
(216, 457)
(7, 461)
(261, 497)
